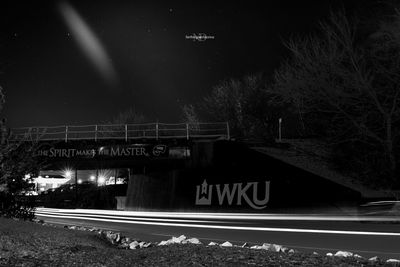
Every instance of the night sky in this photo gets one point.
(82, 62)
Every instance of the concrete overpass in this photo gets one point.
(187, 167)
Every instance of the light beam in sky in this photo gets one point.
(90, 45)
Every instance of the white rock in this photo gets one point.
(245, 245)
(275, 248)
(146, 245)
(226, 244)
(178, 240)
(374, 258)
(212, 244)
(343, 254)
(291, 250)
(357, 256)
(315, 253)
(141, 244)
(393, 261)
(266, 246)
(165, 243)
(191, 241)
(256, 247)
(329, 254)
(134, 245)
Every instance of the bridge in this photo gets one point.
(154, 131)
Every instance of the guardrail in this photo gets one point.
(122, 131)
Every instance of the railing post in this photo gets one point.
(280, 130)
(66, 134)
(187, 131)
(95, 133)
(227, 131)
(126, 134)
(156, 130)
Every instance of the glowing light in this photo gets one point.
(79, 181)
(92, 178)
(68, 173)
(78, 214)
(27, 176)
(88, 42)
(102, 179)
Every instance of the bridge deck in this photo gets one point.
(122, 131)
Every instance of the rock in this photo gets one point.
(134, 245)
(125, 240)
(118, 238)
(226, 244)
(141, 244)
(357, 256)
(147, 245)
(165, 243)
(245, 245)
(192, 241)
(284, 249)
(315, 253)
(292, 251)
(374, 258)
(256, 247)
(343, 254)
(73, 227)
(329, 254)
(178, 240)
(393, 262)
(275, 248)
(212, 244)
(266, 246)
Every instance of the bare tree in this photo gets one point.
(247, 104)
(348, 82)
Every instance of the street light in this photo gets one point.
(68, 173)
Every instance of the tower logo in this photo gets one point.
(203, 197)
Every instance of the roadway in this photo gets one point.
(367, 236)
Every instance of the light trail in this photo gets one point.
(228, 216)
(227, 227)
(127, 218)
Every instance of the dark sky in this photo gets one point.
(52, 75)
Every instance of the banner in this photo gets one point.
(113, 151)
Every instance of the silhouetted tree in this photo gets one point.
(248, 104)
(345, 85)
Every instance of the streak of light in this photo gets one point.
(227, 227)
(90, 45)
(132, 218)
(229, 216)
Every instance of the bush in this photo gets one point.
(15, 206)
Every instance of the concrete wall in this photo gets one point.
(245, 174)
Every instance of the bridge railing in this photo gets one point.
(122, 131)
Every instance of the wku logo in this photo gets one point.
(204, 193)
(159, 149)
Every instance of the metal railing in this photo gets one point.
(122, 131)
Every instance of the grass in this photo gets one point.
(30, 244)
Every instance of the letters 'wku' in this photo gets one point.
(237, 189)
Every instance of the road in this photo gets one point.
(367, 236)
